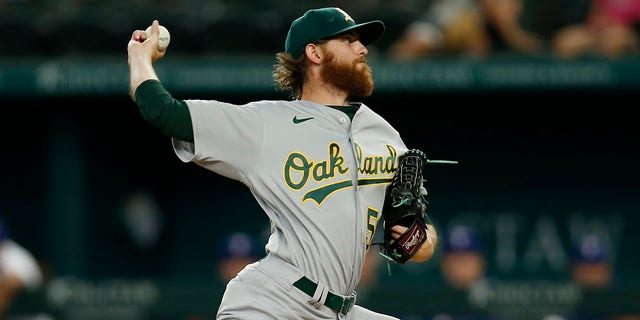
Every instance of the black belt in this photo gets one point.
(337, 303)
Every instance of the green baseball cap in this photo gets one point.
(323, 23)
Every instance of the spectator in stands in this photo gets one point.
(463, 264)
(19, 270)
(237, 250)
(591, 266)
(610, 30)
(463, 267)
(469, 27)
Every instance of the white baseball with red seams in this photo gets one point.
(164, 37)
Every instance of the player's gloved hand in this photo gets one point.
(404, 208)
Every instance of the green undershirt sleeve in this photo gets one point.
(157, 106)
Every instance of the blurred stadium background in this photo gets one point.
(548, 150)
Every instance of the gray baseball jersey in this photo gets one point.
(319, 176)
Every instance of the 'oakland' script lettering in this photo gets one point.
(299, 163)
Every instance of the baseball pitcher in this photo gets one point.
(324, 169)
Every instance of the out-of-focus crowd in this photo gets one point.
(415, 29)
(606, 28)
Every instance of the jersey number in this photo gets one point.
(372, 223)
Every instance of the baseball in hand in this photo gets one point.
(163, 37)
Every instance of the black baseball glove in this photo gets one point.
(404, 204)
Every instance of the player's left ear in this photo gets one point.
(313, 52)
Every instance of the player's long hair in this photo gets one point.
(289, 74)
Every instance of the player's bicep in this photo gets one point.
(170, 116)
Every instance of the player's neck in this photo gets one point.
(324, 95)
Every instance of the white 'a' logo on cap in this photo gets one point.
(347, 17)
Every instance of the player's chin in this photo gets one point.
(362, 67)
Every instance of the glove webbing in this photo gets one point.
(410, 176)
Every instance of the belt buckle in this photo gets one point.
(347, 303)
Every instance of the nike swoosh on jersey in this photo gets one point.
(296, 120)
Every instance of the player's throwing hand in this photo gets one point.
(142, 47)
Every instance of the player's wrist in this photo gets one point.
(140, 59)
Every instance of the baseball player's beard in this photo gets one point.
(354, 78)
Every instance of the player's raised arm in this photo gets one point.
(142, 52)
(157, 106)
